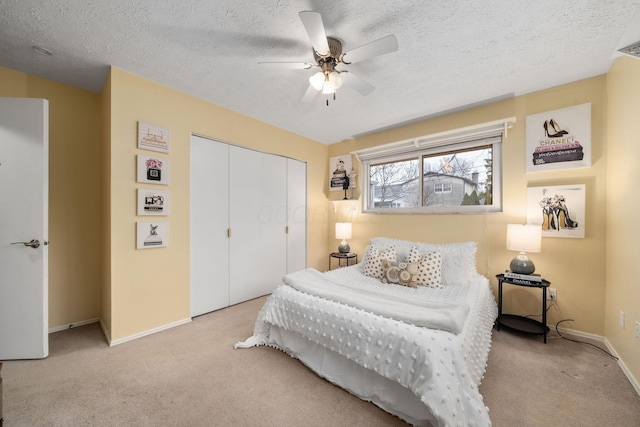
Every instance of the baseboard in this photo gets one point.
(632, 379)
(145, 333)
(73, 325)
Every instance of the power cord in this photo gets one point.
(582, 342)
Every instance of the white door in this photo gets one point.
(24, 182)
(209, 223)
(258, 212)
(296, 215)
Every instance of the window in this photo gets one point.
(452, 172)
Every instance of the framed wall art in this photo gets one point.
(152, 137)
(559, 139)
(558, 209)
(153, 202)
(152, 234)
(339, 170)
(153, 170)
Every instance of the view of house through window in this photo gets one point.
(451, 178)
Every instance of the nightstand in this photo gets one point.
(349, 257)
(520, 323)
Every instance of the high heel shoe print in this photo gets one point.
(549, 131)
(562, 213)
(547, 214)
(556, 128)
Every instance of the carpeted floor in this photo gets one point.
(191, 376)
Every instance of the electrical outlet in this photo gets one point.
(637, 330)
(622, 319)
(552, 294)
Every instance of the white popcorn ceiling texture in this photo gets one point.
(452, 54)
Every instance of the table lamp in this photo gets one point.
(343, 231)
(523, 238)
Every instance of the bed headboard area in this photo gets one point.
(458, 259)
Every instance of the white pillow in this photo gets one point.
(373, 260)
(458, 259)
(429, 267)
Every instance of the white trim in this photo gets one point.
(73, 325)
(148, 332)
(474, 132)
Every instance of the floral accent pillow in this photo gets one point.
(402, 273)
(429, 267)
(373, 259)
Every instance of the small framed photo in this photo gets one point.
(153, 202)
(153, 170)
(152, 137)
(152, 234)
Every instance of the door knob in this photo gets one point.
(32, 244)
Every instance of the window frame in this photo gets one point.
(487, 134)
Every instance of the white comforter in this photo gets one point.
(442, 369)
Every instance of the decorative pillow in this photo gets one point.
(458, 259)
(429, 267)
(373, 259)
(403, 273)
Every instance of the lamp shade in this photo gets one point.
(524, 237)
(343, 230)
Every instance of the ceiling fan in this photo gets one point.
(328, 54)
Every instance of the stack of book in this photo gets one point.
(523, 279)
(562, 150)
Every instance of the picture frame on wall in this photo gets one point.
(558, 209)
(559, 139)
(152, 170)
(153, 202)
(153, 137)
(152, 234)
(339, 170)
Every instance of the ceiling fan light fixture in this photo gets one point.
(317, 80)
(335, 81)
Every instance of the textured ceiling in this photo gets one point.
(452, 54)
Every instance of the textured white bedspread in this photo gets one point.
(442, 369)
(443, 315)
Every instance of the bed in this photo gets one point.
(408, 329)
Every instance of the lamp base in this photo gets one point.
(344, 248)
(521, 264)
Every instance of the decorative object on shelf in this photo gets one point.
(152, 137)
(559, 210)
(345, 187)
(343, 231)
(523, 238)
(559, 139)
(153, 170)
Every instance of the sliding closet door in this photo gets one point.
(209, 222)
(258, 243)
(296, 215)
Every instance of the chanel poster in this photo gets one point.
(339, 170)
(559, 139)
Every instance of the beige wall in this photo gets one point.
(576, 267)
(150, 288)
(74, 194)
(623, 235)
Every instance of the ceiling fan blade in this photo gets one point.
(312, 22)
(356, 83)
(310, 94)
(378, 47)
(286, 65)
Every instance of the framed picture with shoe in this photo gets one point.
(558, 209)
(559, 139)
